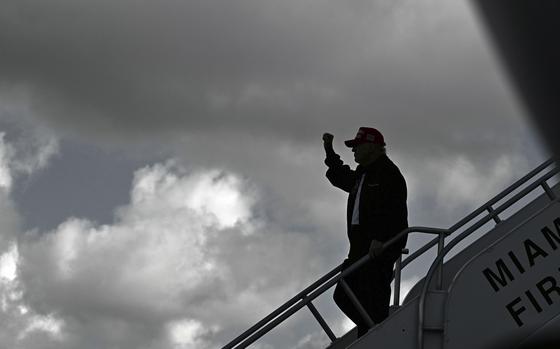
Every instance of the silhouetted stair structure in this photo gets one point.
(501, 291)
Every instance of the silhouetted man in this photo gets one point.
(376, 212)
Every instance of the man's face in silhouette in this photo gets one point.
(365, 153)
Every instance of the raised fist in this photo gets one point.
(328, 138)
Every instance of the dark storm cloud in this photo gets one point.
(132, 70)
(169, 64)
(247, 87)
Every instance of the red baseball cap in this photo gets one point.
(366, 135)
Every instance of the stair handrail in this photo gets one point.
(317, 288)
(481, 209)
(492, 214)
(314, 290)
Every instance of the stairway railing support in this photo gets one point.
(305, 297)
(540, 182)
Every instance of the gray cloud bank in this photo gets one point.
(245, 87)
(177, 269)
(282, 69)
(251, 85)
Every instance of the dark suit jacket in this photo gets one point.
(383, 210)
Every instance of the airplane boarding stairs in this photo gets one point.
(501, 291)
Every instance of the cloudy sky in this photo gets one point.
(161, 166)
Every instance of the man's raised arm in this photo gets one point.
(338, 174)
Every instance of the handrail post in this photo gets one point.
(548, 191)
(286, 306)
(397, 284)
(495, 216)
(304, 298)
(441, 245)
(356, 303)
(440, 257)
(321, 321)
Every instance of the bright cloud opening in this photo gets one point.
(8, 264)
(5, 157)
(186, 334)
(184, 248)
(213, 194)
(48, 324)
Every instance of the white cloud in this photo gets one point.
(187, 334)
(9, 218)
(48, 324)
(194, 258)
(24, 155)
(182, 268)
(462, 184)
(8, 264)
(187, 263)
(24, 325)
(316, 340)
(27, 154)
(443, 189)
(34, 151)
(210, 194)
(186, 259)
(5, 159)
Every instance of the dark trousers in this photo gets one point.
(372, 286)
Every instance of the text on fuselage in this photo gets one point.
(545, 292)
